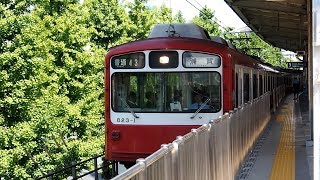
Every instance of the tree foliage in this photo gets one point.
(206, 20)
(249, 43)
(179, 17)
(142, 19)
(51, 75)
(50, 88)
(109, 21)
(254, 45)
(164, 14)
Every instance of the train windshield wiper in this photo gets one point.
(131, 111)
(199, 109)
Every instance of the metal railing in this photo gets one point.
(212, 151)
(74, 170)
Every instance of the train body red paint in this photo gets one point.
(152, 87)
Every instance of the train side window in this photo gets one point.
(260, 85)
(264, 84)
(269, 83)
(255, 86)
(266, 80)
(246, 87)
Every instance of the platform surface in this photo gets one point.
(281, 151)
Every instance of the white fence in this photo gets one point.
(212, 151)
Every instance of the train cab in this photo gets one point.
(159, 88)
(177, 79)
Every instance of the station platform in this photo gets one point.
(282, 150)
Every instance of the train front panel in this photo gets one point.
(152, 96)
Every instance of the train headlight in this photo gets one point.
(164, 59)
(115, 135)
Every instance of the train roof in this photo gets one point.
(181, 36)
(189, 30)
(182, 31)
(166, 43)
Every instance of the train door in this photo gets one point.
(275, 99)
(270, 89)
(246, 85)
(251, 84)
(254, 84)
(265, 77)
(260, 83)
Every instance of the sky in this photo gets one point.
(225, 15)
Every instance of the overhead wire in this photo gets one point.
(199, 4)
(214, 20)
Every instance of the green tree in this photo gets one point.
(179, 17)
(142, 19)
(112, 25)
(51, 75)
(254, 45)
(164, 14)
(206, 20)
(51, 90)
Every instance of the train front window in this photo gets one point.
(166, 92)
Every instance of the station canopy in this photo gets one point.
(282, 23)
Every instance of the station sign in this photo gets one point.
(296, 64)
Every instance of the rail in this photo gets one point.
(212, 151)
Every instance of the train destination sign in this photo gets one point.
(192, 59)
(128, 61)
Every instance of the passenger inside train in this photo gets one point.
(198, 103)
(132, 100)
(176, 104)
(151, 100)
(166, 92)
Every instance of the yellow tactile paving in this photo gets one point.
(284, 163)
(280, 117)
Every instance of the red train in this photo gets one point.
(177, 79)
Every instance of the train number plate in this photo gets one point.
(126, 120)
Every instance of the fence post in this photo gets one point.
(167, 162)
(116, 164)
(142, 175)
(95, 162)
(114, 168)
(195, 154)
(50, 175)
(73, 170)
